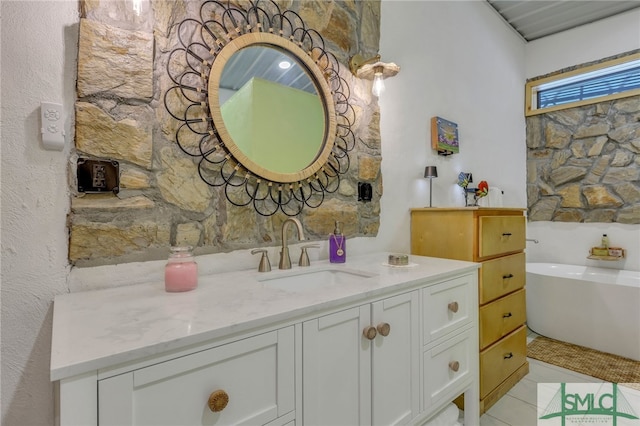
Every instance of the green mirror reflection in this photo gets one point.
(272, 109)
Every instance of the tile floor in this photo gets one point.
(519, 407)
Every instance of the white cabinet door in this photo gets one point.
(396, 360)
(336, 363)
(256, 373)
(350, 380)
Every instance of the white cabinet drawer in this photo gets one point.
(448, 306)
(448, 367)
(256, 373)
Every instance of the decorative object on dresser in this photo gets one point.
(430, 172)
(444, 136)
(496, 238)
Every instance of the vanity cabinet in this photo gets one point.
(349, 353)
(494, 237)
(392, 348)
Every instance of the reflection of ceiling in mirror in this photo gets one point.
(263, 62)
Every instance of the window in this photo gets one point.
(613, 79)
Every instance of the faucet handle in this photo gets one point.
(304, 256)
(265, 265)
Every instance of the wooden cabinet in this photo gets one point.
(495, 238)
(250, 381)
(341, 364)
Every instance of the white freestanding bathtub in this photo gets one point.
(593, 307)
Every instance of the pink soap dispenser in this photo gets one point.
(337, 245)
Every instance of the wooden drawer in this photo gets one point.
(501, 276)
(499, 318)
(440, 380)
(500, 360)
(500, 235)
(446, 307)
(257, 373)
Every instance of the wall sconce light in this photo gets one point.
(430, 172)
(373, 69)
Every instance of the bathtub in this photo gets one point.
(593, 307)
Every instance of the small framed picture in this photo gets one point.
(444, 136)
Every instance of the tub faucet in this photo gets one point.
(533, 240)
(285, 260)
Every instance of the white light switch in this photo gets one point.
(52, 123)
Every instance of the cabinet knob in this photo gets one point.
(507, 315)
(370, 332)
(454, 366)
(218, 400)
(504, 277)
(384, 329)
(509, 355)
(506, 234)
(453, 307)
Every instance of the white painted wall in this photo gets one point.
(460, 62)
(39, 50)
(570, 242)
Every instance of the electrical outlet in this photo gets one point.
(365, 192)
(98, 176)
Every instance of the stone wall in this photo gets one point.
(120, 115)
(583, 163)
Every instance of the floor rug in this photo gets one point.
(604, 366)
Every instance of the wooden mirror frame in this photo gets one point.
(195, 68)
(324, 92)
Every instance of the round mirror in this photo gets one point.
(268, 102)
(278, 142)
(271, 109)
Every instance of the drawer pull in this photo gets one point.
(509, 355)
(454, 366)
(218, 400)
(504, 277)
(370, 332)
(453, 307)
(384, 329)
(507, 315)
(506, 234)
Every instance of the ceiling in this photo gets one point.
(534, 19)
(263, 62)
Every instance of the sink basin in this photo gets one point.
(314, 279)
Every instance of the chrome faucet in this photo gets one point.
(285, 260)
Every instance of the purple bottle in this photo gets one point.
(337, 245)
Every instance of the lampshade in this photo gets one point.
(431, 172)
(368, 71)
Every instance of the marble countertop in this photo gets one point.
(102, 328)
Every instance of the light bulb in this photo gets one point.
(378, 84)
(137, 7)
